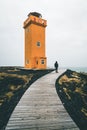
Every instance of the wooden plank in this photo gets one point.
(41, 109)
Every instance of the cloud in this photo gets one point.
(66, 33)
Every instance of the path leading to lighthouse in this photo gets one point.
(40, 108)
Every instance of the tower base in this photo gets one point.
(36, 63)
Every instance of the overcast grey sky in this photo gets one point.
(66, 33)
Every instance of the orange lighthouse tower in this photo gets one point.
(34, 27)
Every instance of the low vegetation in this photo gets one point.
(72, 90)
(13, 83)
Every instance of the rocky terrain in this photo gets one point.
(72, 90)
(14, 81)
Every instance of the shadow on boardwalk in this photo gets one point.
(41, 109)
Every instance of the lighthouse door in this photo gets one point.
(36, 62)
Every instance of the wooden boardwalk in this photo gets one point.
(41, 109)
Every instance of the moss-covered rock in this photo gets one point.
(72, 90)
(13, 83)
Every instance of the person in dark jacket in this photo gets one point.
(56, 66)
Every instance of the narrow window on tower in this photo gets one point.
(37, 62)
(38, 44)
(27, 61)
(42, 61)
